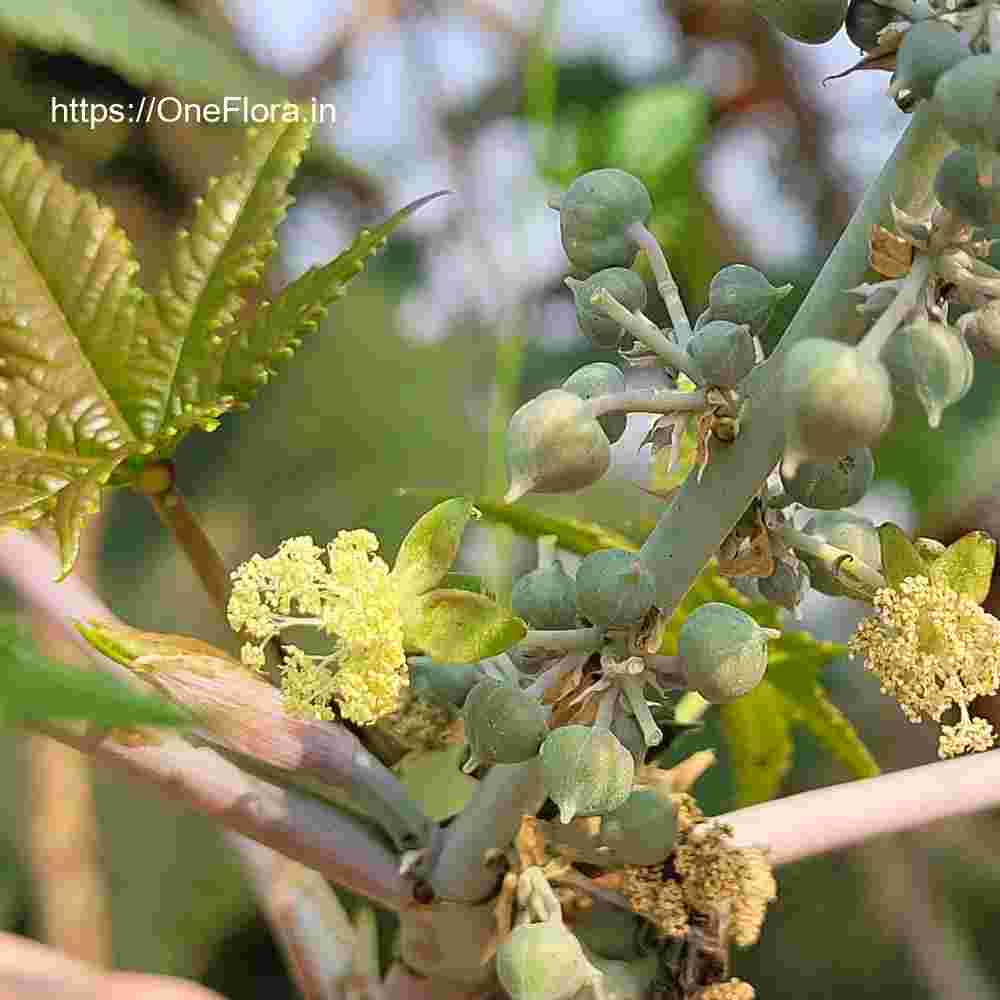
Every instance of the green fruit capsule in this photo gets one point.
(932, 363)
(865, 19)
(810, 21)
(850, 532)
(543, 962)
(831, 485)
(631, 736)
(928, 50)
(642, 830)
(614, 933)
(724, 652)
(836, 400)
(600, 379)
(503, 725)
(546, 597)
(594, 215)
(957, 187)
(586, 771)
(555, 445)
(624, 285)
(444, 683)
(786, 586)
(613, 588)
(724, 352)
(741, 294)
(966, 99)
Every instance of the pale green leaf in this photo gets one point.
(967, 565)
(147, 42)
(900, 558)
(431, 545)
(435, 781)
(456, 626)
(67, 314)
(176, 367)
(35, 689)
(277, 328)
(757, 731)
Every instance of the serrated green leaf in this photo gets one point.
(431, 545)
(574, 535)
(900, 558)
(277, 328)
(147, 43)
(177, 368)
(456, 626)
(35, 689)
(967, 565)
(67, 312)
(435, 781)
(756, 728)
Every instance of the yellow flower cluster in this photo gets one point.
(353, 599)
(933, 650)
(735, 989)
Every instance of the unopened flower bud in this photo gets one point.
(741, 294)
(614, 588)
(965, 98)
(546, 597)
(928, 50)
(503, 725)
(724, 352)
(831, 485)
(957, 187)
(600, 379)
(811, 21)
(624, 285)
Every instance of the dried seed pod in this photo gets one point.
(928, 50)
(614, 588)
(546, 597)
(586, 771)
(642, 830)
(503, 725)
(850, 532)
(724, 652)
(930, 362)
(741, 294)
(966, 99)
(957, 187)
(831, 485)
(786, 586)
(724, 352)
(865, 19)
(600, 379)
(555, 445)
(543, 962)
(836, 400)
(594, 214)
(811, 21)
(624, 285)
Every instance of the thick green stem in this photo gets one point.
(704, 512)
(158, 485)
(666, 401)
(906, 298)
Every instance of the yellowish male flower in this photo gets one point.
(934, 650)
(349, 596)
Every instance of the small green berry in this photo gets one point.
(844, 530)
(957, 187)
(786, 586)
(642, 830)
(810, 21)
(555, 445)
(594, 214)
(741, 294)
(545, 598)
(724, 352)
(724, 652)
(966, 99)
(600, 379)
(865, 19)
(503, 725)
(624, 285)
(613, 588)
(585, 771)
(928, 50)
(831, 485)
(543, 962)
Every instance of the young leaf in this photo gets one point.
(967, 565)
(278, 326)
(211, 265)
(431, 545)
(147, 43)
(757, 729)
(900, 558)
(35, 689)
(456, 626)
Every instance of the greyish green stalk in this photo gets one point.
(704, 512)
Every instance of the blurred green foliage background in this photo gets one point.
(367, 407)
